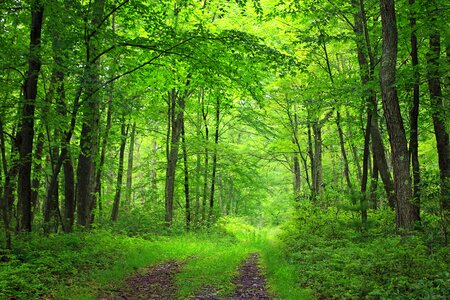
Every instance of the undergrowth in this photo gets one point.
(321, 253)
(337, 258)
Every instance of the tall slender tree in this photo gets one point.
(406, 213)
(26, 133)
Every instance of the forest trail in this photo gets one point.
(158, 282)
(155, 282)
(250, 283)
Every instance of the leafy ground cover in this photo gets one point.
(336, 258)
(92, 265)
(314, 257)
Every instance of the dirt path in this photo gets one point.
(250, 283)
(156, 282)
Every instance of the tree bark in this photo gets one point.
(318, 178)
(5, 195)
(374, 182)
(172, 157)
(129, 186)
(367, 69)
(214, 162)
(86, 171)
(363, 199)
(186, 178)
(206, 163)
(177, 104)
(123, 140)
(295, 156)
(313, 164)
(439, 122)
(414, 114)
(406, 213)
(69, 194)
(36, 183)
(27, 127)
(344, 153)
(104, 145)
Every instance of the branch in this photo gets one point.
(106, 18)
(341, 13)
(17, 70)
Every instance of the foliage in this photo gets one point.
(37, 265)
(337, 260)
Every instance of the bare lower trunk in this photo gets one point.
(313, 165)
(343, 152)
(176, 104)
(363, 200)
(414, 115)
(130, 166)
(206, 163)
(214, 162)
(123, 132)
(439, 120)
(406, 212)
(27, 127)
(318, 181)
(36, 183)
(186, 179)
(4, 195)
(374, 183)
(69, 194)
(104, 145)
(86, 172)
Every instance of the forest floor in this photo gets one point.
(158, 282)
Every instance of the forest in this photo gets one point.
(224, 149)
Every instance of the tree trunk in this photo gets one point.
(414, 114)
(129, 187)
(69, 194)
(374, 182)
(153, 179)
(295, 156)
(205, 170)
(381, 161)
(367, 68)
(186, 178)
(406, 213)
(439, 122)
(363, 199)
(36, 183)
(27, 128)
(214, 162)
(296, 175)
(177, 103)
(198, 174)
(123, 140)
(344, 153)
(313, 164)
(4, 196)
(318, 181)
(104, 145)
(98, 179)
(171, 158)
(86, 171)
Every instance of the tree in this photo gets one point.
(438, 116)
(89, 134)
(176, 105)
(26, 133)
(406, 213)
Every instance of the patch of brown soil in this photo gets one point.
(156, 282)
(250, 283)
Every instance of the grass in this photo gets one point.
(282, 277)
(86, 265)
